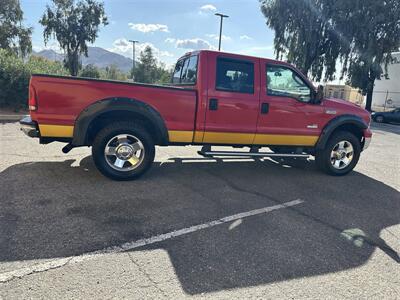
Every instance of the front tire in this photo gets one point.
(123, 151)
(340, 155)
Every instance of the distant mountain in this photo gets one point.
(49, 54)
(96, 56)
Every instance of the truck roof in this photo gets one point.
(239, 56)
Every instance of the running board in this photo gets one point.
(249, 154)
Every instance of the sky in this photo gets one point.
(171, 28)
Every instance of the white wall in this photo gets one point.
(389, 88)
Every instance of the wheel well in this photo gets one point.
(101, 121)
(354, 129)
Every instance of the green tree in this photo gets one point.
(112, 72)
(73, 24)
(149, 70)
(90, 71)
(372, 31)
(164, 75)
(146, 68)
(316, 34)
(15, 74)
(13, 36)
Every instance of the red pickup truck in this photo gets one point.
(214, 98)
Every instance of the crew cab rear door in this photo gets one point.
(232, 100)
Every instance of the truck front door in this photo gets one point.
(288, 117)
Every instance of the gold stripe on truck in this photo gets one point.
(180, 136)
(47, 130)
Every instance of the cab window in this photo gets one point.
(235, 76)
(185, 71)
(284, 82)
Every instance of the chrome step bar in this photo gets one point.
(250, 154)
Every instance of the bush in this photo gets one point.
(15, 75)
(112, 72)
(90, 71)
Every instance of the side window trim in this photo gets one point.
(233, 60)
(295, 72)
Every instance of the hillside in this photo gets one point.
(97, 56)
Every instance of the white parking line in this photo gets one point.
(57, 263)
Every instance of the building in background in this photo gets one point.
(387, 91)
(345, 92)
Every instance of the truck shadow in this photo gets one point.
(59, 209)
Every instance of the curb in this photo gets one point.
(11, 118)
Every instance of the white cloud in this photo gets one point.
(170, 40)
(149, 27)
(50, 46)
(245, 37)
(208, 8)
(124, 47)
(216, 37)
(192, 44)
(258, 50)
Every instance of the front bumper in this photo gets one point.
(29, 127)
(367, 138)
(367, 142)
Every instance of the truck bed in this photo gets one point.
(61, 99)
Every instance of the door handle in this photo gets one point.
(213, 104)
(264, 108)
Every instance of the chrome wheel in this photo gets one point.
(379, 119)
(342, 155)
(124, 152)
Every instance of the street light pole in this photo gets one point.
(133, 55)
(220, 28)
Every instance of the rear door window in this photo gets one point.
(235, 76)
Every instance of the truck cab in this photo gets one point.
(214, 99)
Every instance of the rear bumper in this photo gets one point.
(29, 127)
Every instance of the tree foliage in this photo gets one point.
(15, 74)
(74, 25)
(372, 31)
(112, 72)
(90, 71)
(149, 70)
(317, 34)
(13, 36)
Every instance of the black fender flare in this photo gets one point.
(117, 104)
(335, 123)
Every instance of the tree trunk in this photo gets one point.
(370, 92)
(73, 63)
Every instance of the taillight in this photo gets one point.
(32, 98)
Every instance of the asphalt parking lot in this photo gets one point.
(290, 232)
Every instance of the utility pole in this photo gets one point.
(133, 55)
(220, 28)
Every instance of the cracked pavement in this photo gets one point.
(63, 226)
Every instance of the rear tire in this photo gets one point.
(341, 154)
(123, 150)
